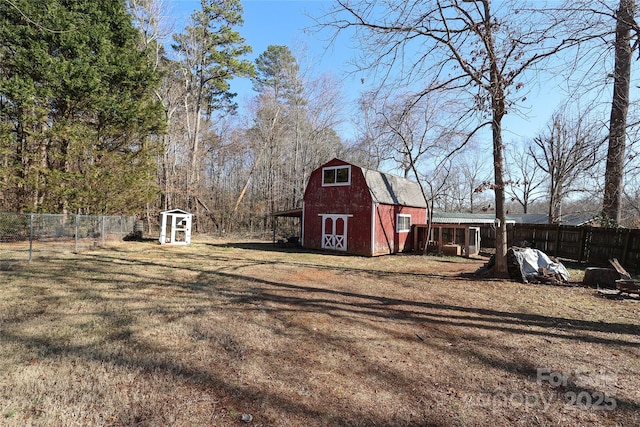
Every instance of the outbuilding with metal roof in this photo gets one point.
(360, 211)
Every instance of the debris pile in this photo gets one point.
(289, 242)
(530, 265)
(626, 284)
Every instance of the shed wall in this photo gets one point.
(353, 200)
(387, 241)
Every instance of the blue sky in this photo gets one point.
(279, 22)
(283, 22)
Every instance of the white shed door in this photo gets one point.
(334, 232)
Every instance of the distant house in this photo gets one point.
(360, 211)
(568, 219)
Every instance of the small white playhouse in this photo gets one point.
(175, 227)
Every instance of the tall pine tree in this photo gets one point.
(211, 53)
(76, 108)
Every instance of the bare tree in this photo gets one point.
(365, 150)
(436, 180)
(565, 152)
(613, 187)
(611, 34)
(467, 179)
(210, 54)
(291, 130)
(630, 215)
(471, 51)
(154, 26)
(408, 131)
(524, 178)
(473, 170)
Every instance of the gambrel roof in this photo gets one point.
(393, 190)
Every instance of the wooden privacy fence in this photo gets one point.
(583, 244)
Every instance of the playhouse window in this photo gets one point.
(403, 223)
(336, 175)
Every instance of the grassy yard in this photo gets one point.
(148, 335)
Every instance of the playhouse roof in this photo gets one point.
(393, 190)
(176, 211)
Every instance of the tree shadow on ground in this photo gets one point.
(275, 247)
(370, 300)
(277, 298)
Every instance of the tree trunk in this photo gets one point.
(555, 205)
(246, 185)
(500, 268)
(497, 112)
(611, 204)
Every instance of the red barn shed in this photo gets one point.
(360, 211)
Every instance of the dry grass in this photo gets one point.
(142, 334)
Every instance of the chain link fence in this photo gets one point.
(24, 236)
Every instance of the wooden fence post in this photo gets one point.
(582, 243)
(625, 246)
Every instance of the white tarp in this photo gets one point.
(531, 260)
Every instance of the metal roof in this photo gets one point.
(569, 219)
(393, 190)
(291, 213)
(464, 218)
(536, 218)
(473, 218)
(576, 219)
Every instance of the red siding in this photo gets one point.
(355, 200)
(386, 239)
